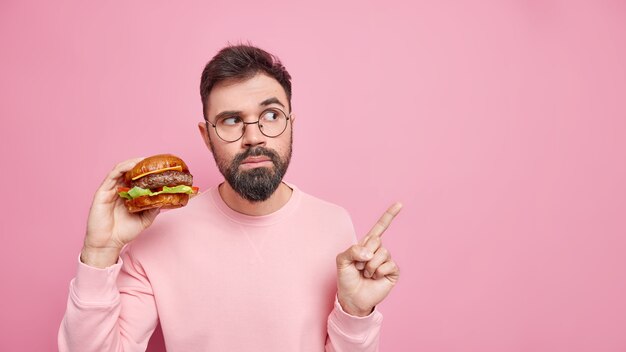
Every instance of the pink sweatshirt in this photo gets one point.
(218, 280)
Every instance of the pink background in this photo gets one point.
(501, 125)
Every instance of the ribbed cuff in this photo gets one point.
(354, 326)
(94, 285)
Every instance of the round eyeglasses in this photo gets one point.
(272, 122)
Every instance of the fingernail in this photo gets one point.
(367, 254)
(367, 273)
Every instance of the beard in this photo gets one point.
(259, 183)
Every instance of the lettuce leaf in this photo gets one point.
(136, 192)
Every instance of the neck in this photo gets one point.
(277, 200)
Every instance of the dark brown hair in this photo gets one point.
(241, 62)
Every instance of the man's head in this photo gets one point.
(240, 86)
(238, 63)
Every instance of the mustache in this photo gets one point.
(258, 151)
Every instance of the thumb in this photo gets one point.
(353, 254)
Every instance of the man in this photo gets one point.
(248, 265)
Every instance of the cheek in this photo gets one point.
(283, 142)
(281, 147)
(223, 153)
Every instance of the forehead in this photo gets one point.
(244, 95)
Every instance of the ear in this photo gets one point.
(204, 133)
(293, 118)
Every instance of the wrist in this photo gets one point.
(353, 310)
(99, 257)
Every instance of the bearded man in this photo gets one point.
(252, 264)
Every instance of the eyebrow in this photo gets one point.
(268, 101)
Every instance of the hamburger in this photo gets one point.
(159, 181)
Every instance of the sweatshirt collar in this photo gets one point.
(263, 220)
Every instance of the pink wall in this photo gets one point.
(501, 125)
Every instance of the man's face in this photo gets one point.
(255, 164)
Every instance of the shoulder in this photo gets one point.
(332, 222)
(324, 211)
(319, 204)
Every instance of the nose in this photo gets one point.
(252, 135)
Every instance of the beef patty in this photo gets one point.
(168, 178)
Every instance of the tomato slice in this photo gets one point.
(195, 189)
(123, 189)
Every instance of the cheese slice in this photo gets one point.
(176, 168)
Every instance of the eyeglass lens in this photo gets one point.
(271, 122)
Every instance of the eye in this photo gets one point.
(270, 116)
(230, 120)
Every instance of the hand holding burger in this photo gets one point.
(128, 201)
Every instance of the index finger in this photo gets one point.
(383, 223)
(110, 182)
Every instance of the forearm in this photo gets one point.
(353, 333)
(103, 309)
(93, 310)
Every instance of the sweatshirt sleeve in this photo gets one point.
(110, 309)
(351, 333)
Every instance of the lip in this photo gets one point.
(255, 159)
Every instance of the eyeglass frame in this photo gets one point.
(243, 129)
